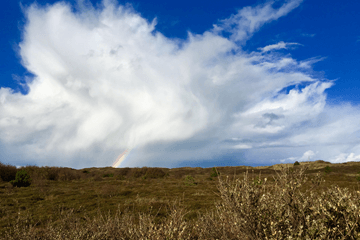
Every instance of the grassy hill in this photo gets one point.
(242, 202)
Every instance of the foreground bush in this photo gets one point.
(249, 209)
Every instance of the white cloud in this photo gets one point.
(242, 146)
(106, 80)
(287, 160)
(307, 156)
(277, 46)
(309, 62)
(249, 19)
(343, 157)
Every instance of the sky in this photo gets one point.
(187, 83)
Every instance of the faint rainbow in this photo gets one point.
(121, 158)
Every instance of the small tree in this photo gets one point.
(22, 179)
(296, 163)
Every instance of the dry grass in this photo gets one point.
(184, 203)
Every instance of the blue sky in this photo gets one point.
(205, 83)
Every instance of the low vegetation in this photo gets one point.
(299, 201)
(22, 179)
(7, 172)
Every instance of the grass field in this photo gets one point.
(276, 202)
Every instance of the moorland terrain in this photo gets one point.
(182, 203)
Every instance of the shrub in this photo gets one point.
(138, 172)
(34, 172)
(296, 163)
(52, 174)
(68, 174)
(322, 162)
(123, 171)
(251, 211)
(85, 171)
(7, 172)
(155, 173)
(214, 173)
(189, 180)
(22, 179)
(108, 175)
(328, 169)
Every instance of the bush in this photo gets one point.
(108, 175)
(328, 169)
(189, 180)
(22, 179)
(296, 163)
(7, 172)
(68, 174)
(281, 211)
(53, 174)
(155, 173)
(214, 173)
(34, 171)
(138, 172)
(122, 172)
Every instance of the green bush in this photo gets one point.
(7, 172)
(328, 169)
(108, 175)
(214, 173)
(296, 163)
(189, 180)
(22, 179)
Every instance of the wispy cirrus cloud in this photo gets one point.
(277, 46)
(308, 35)
(105, 80)
(249, 19)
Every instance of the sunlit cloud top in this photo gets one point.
(106, 80)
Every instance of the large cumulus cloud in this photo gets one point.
(106, 80)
